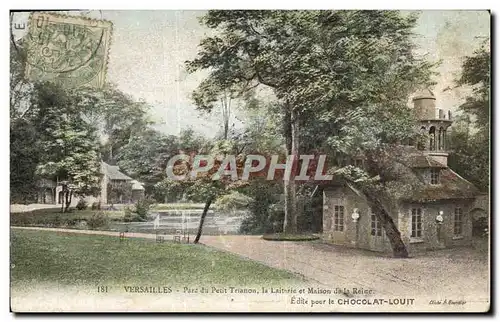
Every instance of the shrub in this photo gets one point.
(56, 222)
(232, 201)
(71, 222)
(265, 209)
(96, 205)
(82, 204)
(130, 216)
(98, 220)
(142, 207)
(480, 227)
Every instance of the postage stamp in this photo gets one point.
(250, 161)
(68, 50)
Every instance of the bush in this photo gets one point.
(98, 220)
(142, 207)
(131, 216)
(480, 227)
(233, 201)
(266, 214)
(96, 205)
(56, 222)
(82, 204)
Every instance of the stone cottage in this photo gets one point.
(128, 190)
(437, 216)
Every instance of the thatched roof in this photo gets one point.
(405, 182)
(113, 172)
(451, 186)
(423, 161)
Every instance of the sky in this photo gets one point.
(149, 48)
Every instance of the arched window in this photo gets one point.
(421, 139)
(440, 139)
(410, 142)
(432, 138)
(444, 140)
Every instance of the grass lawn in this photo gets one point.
(74, 259)
(51, 217)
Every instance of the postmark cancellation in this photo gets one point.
(68, 50)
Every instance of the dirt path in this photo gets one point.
(455, 273)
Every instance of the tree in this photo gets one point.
(24, 156)
(470, 137)
(320, 65)
(116, 116)
(24, 150)
(144, 157)
(69, 147)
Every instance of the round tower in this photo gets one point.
(433, 124)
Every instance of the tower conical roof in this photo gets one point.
(425, 93)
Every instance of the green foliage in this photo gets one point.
(116, 115)
(266, 212)
(54, 218)
(96, 205)
(476, 73)
(172, 190)
(82, 204)
(470, 136)
(69, 145)
(142, 207)
(470, 157)
(98, 220)
(232, 201)
(119, 192)
(131, 216)
(145, 156)
(24, 156)
(480, 227)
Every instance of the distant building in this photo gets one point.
(440, 215)
(116, 188)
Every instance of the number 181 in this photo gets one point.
(102, 289)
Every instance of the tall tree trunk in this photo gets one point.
(202, 219)
(68, 200)
(226, 113)
(62, 201)
(398, 247)
(290, 188)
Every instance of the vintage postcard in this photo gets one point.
(250, 161)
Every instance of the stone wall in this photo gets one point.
(435, 235)
(358, 234)
(355, 234)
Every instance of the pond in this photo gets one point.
(216, 223)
